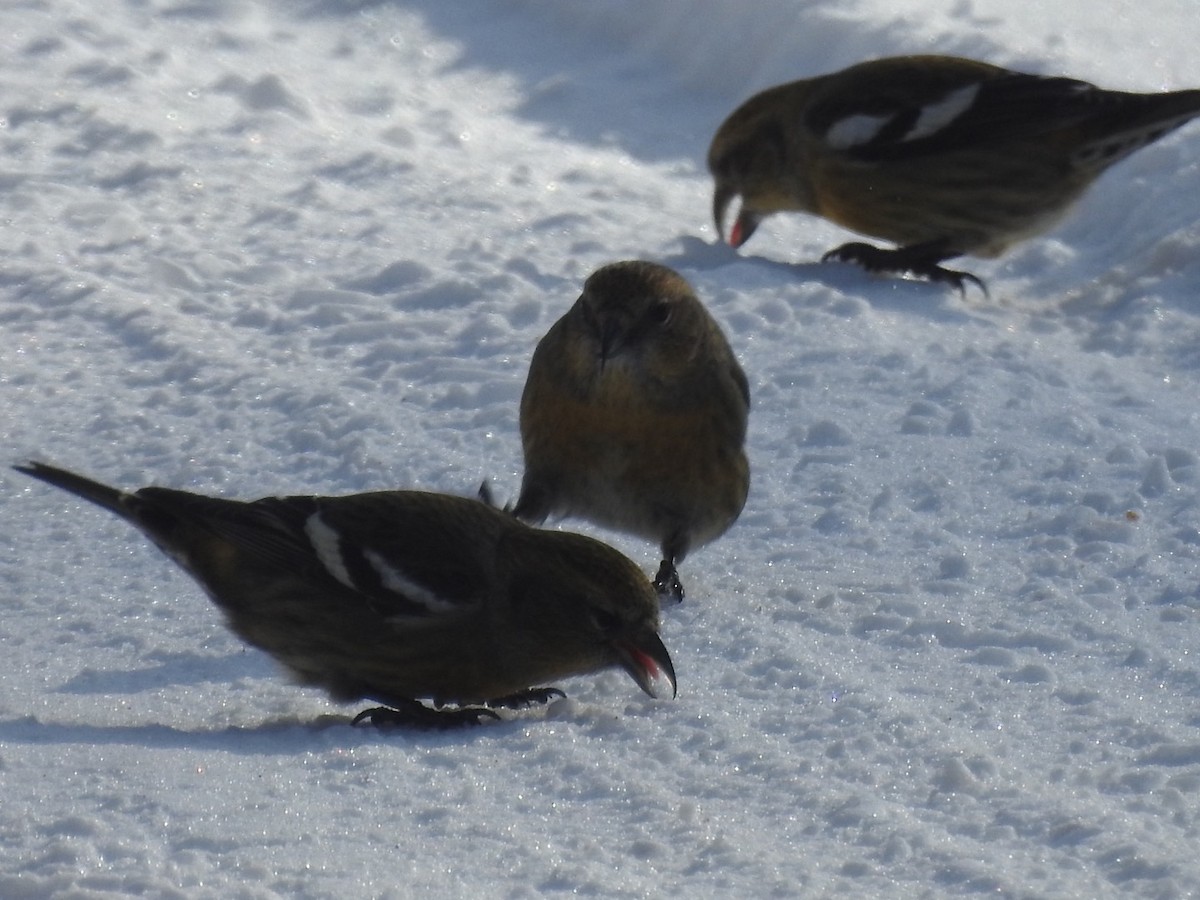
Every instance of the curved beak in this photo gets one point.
(608, 328)
(612, 339)
(647, 662)
(744, 226)
(747, 219)
(723, 195)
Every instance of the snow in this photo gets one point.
(947, 650)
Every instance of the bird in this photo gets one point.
(634, 414)
(940, 155)
(394, 597)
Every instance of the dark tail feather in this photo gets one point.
(100, 494)
(1133, 122)
(1182, 104)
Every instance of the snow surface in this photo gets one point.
(309, 246)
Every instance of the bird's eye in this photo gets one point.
(606, 622)
(660, 313)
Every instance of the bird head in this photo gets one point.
(642, 317)
(748, 160)
(586, 607)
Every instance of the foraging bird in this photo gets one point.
(634, 416)
(399, 595)
(939, 155)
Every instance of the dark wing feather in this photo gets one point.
(384, 547)
(271, 531)
(1003, 107)
(448, 556)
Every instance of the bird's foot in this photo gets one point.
(413, 714)
(485, 495)
(667, 583)
(525, 699)
(920, 260)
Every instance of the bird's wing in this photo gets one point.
(399, 551)
(414, 554)
(904, 112)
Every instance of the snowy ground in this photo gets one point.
(309, 247)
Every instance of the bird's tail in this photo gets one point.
(100, 494)
(1182, 103)
(1162, 113)
(1132, 122)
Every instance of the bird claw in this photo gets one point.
(667, 584)
(527, 698)
(920, 260)
(412, 714)
(485, 495)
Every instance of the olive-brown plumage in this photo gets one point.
(634, 416)
(940, 155)
(395, 596)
